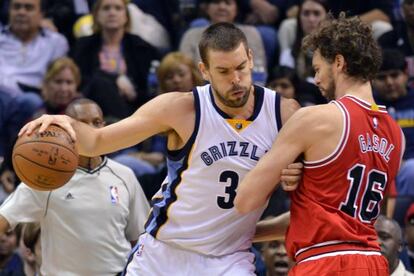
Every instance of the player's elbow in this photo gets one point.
(244, 205)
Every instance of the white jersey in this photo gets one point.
(87, 224)
(194, 208)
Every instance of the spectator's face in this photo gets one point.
(275, 258)
(391, 84)
(389, 241)
(222, 11)
(25, 16)
(112, 15)
(409, 235)
(283, 86)
(8, 243)
(311, 14)
(408, 12)
(324, 77)
(230, 75)
(60, 90)
(179, 78)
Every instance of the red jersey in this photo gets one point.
(335, 206)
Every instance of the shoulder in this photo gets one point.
(52, 36)
(168, 107)
(323, 117)
(120, 169)
(176, 99)
(287, 108)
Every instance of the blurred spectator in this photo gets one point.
(275, 258)
(148, 28)
(226, 11)
(402, 37)
(409, 236)
(64, 13)
(103, 207)
(60, 85)
(26, 48)
(262, 11)
(391, 90)
(378, 13)
(285, 81)
(31, 249)
(114, 64)
(178, 72)
(293, 30)
(11, 263)
(174, 16)
(391, 242)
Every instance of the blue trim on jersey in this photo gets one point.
(177, 163)
(179, 154)
(277, 110)
(258, 103)
(159, 214)
(131, 256)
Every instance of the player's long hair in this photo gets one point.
(352, 39)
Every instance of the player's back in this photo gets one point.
(337, 202)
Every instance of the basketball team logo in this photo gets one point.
(375, 122)
(113, 190)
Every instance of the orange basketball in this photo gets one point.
(45, 161)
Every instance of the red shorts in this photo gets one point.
(343, 265)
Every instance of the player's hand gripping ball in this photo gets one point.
(45, 161)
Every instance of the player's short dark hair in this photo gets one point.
(393, 59)
(352, 39)
(221, 36)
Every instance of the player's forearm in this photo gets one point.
(272, 229)
(253, 192)
(86, 138)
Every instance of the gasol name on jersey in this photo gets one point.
(374, 143)
(231, 148)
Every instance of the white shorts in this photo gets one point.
(153, 257)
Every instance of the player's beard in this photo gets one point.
(329, 91)
(239, 102)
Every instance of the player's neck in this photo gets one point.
(359, 89)
(89, 163)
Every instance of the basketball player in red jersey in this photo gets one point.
(352, 151)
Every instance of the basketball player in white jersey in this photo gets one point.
(216, 134)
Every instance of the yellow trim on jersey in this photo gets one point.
(374, 107)
(405, 122)
(238, 124)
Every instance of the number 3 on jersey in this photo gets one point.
(372, 194)
(230, 190)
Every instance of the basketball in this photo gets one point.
(45, 161)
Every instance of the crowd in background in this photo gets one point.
(121, 54)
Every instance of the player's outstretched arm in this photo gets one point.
(259, 183)
(272, 229)
(162, 114)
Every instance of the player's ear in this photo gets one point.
(339, 62)
(250, 56)
(204, 72)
